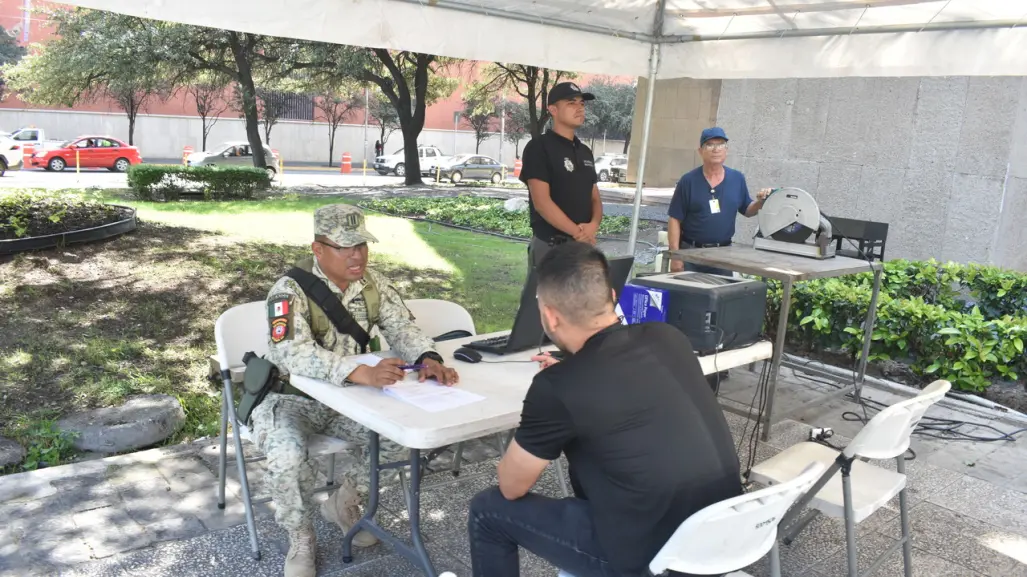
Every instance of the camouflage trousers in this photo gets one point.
(281, 426)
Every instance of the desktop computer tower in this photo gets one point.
(715, 312)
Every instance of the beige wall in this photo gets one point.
(682, 108)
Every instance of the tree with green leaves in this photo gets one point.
(335, 105)
(94, 54)
(480, 110)
(10, 53)
(208, 94)
(518, 123)
(532, 83)
(410, 81)
(611, 113)
(383, 115)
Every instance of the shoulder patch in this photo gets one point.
(279, 314)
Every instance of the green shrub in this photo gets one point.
(479, 213)
(24, 214)
(167, 183)
(964, 346)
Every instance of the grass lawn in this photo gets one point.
(89, 324)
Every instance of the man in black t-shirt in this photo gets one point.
(560, 172)
(647, 443)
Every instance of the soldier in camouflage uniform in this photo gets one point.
(303, 342)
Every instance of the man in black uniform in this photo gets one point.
(647, 443)
(561, 177)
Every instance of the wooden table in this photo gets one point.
(788, 269)
(503, 381)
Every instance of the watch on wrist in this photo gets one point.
(430, 355)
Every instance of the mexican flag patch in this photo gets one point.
(279, 307)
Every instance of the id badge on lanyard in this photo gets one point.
(714, 203)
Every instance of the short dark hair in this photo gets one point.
(574, 278)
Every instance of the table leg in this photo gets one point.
(779, 349)
(868, 333)
(417, 555)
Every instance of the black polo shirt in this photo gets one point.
(647, 443)
(569, 168)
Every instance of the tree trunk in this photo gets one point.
(206, 131)
(627, 142)
(131, 127)
(477, 147)
(410, 158)
(249, 96)
(331, 143)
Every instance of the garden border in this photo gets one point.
(93, 234)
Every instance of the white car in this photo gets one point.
(395, 163)
(605, 164)
(11, 155)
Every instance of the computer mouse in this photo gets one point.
(467, 355)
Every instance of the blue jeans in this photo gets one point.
(558, 530)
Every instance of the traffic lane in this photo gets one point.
(102, 178)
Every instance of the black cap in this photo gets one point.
(566, 91)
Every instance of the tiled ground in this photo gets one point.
(154, 513)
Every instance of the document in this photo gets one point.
(430, 396)
(370, 360)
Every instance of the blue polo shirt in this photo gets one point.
(691, 205)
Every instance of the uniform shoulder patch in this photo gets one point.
(279, 314)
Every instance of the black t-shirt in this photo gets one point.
(647, 443)
(569, 169)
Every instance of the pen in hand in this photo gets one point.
(411, 367)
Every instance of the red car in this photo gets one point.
(91, 152)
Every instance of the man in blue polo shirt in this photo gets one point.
(702, 210)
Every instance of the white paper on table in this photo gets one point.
(368, 359)
(430, 396)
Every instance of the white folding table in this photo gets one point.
(503, 381)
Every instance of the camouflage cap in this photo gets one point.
(343, 224)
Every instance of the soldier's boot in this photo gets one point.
(343, 509)
(302, 552)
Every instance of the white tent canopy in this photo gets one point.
(650, 38)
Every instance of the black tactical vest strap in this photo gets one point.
(317, 291)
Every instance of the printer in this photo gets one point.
(715, 312)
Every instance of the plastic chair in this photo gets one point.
(238, 330)
(733, 533)
(886, 436)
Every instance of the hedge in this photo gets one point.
(168, 183)
(474, 212)
(964, 323)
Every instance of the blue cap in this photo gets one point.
(715, 132)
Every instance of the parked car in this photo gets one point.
(90, 152)
(471, 167)
(35, 137)
(395, 163)
(608, 161)
(10, 155)
(235, 153)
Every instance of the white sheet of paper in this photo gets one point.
(430, 396)
(368, 359)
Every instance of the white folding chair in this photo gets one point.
(863, 488)
(438, 317)
(734, 533)
(238, 330)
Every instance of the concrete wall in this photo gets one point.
(942, 160)
(682, 107)
(163, 136)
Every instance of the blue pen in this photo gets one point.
(411, 367)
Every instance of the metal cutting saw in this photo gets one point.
(787, 220)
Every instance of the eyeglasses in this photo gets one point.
(715, 146)
(343, 249)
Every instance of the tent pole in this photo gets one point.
(654, 64)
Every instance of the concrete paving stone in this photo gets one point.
(956, 455)
(985, 502)
(1000, 466)
(187, 473)
(923, 480)
(442, 510)
(961, 539)
(24, 488)
(101, 568)
(216, 553)
(870, 545)
(87, 496)
(111, 530)
(132, 473)
(150, 500)
(175, 529)
(397, 566)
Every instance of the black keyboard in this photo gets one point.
(495, 345)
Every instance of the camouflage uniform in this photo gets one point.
(283, 422)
